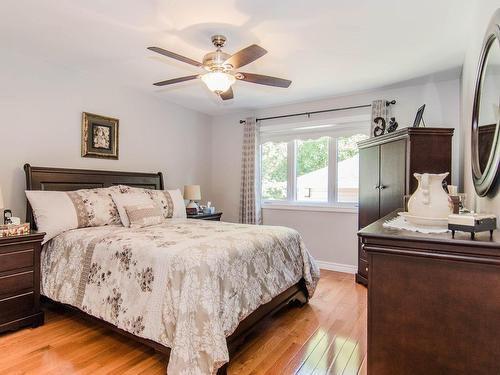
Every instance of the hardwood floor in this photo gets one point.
(327, 336)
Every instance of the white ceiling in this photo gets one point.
(326, 47)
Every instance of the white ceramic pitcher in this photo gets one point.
(430, 200)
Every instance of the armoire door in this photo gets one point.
(392, 176)
(368, 185)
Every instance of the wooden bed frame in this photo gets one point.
(61, 179)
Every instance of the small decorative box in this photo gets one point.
(10, 230)
(472, 223)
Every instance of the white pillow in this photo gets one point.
(58, 211)
(179, 205)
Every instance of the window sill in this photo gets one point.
(349, 209)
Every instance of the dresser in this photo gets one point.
(386, 167)
(20, 281)
(433, 302)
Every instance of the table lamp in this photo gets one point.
(193, 194)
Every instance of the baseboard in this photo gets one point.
(339, 267)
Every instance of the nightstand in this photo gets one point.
(20, 281)
(214, 217)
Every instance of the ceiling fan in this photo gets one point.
(222, 67)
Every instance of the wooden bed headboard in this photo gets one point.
(62, 179)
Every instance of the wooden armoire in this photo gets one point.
(386, 167)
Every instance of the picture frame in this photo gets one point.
(419, 117)
(100, 136)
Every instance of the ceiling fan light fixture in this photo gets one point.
(218, 82)
(220, 68)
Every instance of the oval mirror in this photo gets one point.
(485, 156)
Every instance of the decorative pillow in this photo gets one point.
(144, 215)
(179, 204)
(129, 197)
(58, 211)
(171, 202)
(163, 200)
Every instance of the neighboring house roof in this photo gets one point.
(348, 172)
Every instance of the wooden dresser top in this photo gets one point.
(405, 133)
(375, 234)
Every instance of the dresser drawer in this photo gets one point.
(16, 307)
(17, 259)
(363, 268)
(16, 282)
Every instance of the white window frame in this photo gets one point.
(291, 201)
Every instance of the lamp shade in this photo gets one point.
(192, 192)
(218, 81)
(2, 205)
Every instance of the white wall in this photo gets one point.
(484, 11)
(330, 236)
(41, 107)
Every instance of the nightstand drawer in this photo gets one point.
(16, 307)
(16, 260)
(16, 283)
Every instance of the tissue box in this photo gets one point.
(14, 229)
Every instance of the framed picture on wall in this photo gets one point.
(99, 136)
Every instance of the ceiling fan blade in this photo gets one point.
(226, 95)
(246, 56)
(263, 80)
(173, 55)
(175, 80)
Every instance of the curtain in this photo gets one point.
(250, 210)
(379, 117)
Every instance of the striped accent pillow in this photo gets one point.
(163, 199)
(170, 202)
(144, 215)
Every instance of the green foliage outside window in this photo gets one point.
(311, 155)
(347, 146)
(274, 170)
(274, 161)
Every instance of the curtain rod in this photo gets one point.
(387, 103)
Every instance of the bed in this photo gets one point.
(191, 289)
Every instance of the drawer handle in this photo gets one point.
(382, 187)
(366, 268)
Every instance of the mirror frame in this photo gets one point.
(484, 181)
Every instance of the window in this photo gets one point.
(312, 168)
(274, 171)
(348, 167)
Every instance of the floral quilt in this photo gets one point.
(185, 284)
